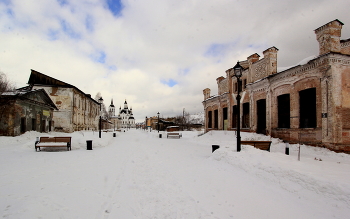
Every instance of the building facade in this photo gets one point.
(76, 110)
(308, 103)
(22, 111)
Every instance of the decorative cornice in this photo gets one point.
(345, 44)
(311, 65)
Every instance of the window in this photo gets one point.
(210, 119)
(244, 83)
(245, 119)
(34, 124)
(234, 116)
(43, 126)
(307, 104)
(283, 104)
(216, 119)
(224, 115)
(261, 116)
(23, 125)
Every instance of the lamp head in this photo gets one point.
(238, 69)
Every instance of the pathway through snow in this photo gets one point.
(138, 175)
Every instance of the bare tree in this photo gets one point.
(104, 113)
(5, 84)
(183, 121)
(5, 102)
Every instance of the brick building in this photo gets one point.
(308, 103)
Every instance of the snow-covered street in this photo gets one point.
(139, 175)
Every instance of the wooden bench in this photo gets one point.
(262, 145)
(173, 134)
(53, 142)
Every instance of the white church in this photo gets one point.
(125, 118)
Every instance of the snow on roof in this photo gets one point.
(302, 62)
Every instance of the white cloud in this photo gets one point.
(132, 55)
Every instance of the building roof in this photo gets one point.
(38, 78)
(41, 97)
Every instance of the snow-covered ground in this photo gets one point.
(139, 175)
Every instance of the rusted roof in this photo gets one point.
(26, 95)
(38, 78)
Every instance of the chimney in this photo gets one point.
(253, 58)
(328, 37)
(206, 93)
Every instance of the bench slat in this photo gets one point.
(51, 144)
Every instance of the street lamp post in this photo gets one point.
(146, 124)
(100, 122)
(238, 73)
(158, 121)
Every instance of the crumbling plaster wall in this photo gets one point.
(63, 99)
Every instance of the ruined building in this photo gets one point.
(308, 103)
(22, 111)
(76, 110)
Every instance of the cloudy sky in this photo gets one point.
(159, 55)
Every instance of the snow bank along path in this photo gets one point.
(138, 175)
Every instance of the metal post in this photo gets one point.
(239, 115)
(100, 127)
(158, 122)
(100, 123)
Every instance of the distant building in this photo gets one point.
(308, 103)
(22, 111)
(76, 110)
(115, 120)
(125, 117)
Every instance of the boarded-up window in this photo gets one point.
(307, 105)
(283, 102)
